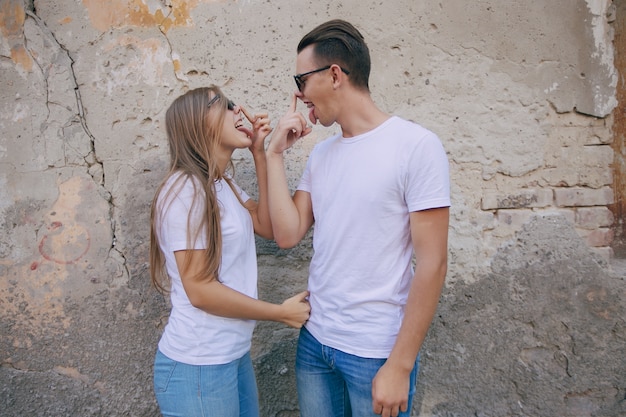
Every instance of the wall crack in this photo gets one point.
(95, 167)
(173, 55)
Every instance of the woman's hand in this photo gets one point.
(296, 310)
(260, 129)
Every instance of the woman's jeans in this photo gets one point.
(332, 383)
(227, 390)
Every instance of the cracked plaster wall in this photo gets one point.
(521, 94)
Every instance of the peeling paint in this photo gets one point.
(20, 56)
(142, 13)
(12, 17)
(604, 98)
(146, 59)
(552, 88)
(72, 373)
(598, 10)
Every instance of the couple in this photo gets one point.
(378, 193)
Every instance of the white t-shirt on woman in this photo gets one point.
(191, 335)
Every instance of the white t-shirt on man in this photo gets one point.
(362, 190)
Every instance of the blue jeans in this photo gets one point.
(332, 383)
(227, 390)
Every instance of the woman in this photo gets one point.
(202, 237)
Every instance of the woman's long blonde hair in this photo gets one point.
(193, 142)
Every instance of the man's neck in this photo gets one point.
(360, 115)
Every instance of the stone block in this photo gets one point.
(568, 213)
(595, 177)
(598, 237)
(593, 217)
(522, 199)
(580, 197)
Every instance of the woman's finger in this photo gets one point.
(245, 113)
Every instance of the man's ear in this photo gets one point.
(337, 74)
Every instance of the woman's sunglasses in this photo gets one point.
(229, 103)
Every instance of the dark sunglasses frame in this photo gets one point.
(299, 77)
(229, 103)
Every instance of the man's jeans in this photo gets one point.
(227, 390)
(332, 383)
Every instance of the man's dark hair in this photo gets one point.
(338, 42)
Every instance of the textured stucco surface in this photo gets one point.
(521, 94)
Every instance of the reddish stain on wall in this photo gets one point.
(64, 245)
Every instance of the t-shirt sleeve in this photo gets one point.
(180, 218)
(428, 178)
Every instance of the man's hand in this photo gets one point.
(390, 391)
(291, 127)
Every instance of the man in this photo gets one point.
(378, 192)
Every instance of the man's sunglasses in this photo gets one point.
(300, 77)
(230, 104)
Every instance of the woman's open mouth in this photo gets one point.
(242, 128)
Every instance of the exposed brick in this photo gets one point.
(561, 176)
(593, 217)
(581, 197)
(597, 156)
(568, 213)
(595, 177)
(524, 199)
(598, 237)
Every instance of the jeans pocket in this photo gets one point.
(164, 368)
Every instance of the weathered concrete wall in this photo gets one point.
(521, 94)
(541, 335)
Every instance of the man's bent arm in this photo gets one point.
(291, 218)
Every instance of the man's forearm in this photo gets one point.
(283, 211)
(420, 309)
